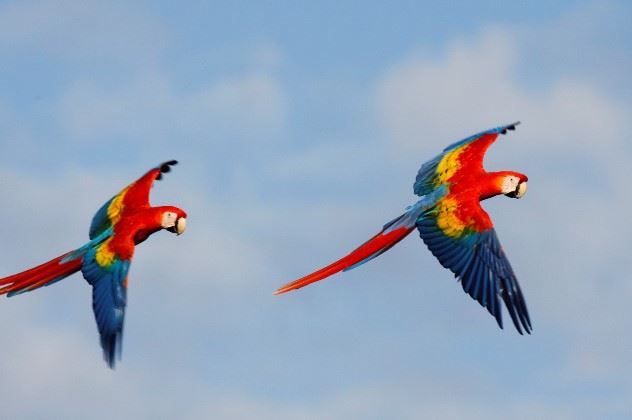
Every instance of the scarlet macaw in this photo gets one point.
(126, 220)
(454, 226)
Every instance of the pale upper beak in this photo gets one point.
(522, 189)
(181, 225)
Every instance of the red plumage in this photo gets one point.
(39, 276)
(454, 226)
(124, 221)
(371, 248)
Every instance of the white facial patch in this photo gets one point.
(169, 219)
(509, 184)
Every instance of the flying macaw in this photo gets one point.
(454, 226)
(126, 220)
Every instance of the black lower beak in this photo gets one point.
(514, 193)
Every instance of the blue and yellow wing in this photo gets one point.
(108, 215)
(133, 196)
(108, 276)
(468, 246)
(439, 170)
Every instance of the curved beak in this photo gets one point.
(179, 227)
(519, 192)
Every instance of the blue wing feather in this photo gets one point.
(478, 261)
(109, 299)
(101, 222)
(424, 181)
(95, 241)
(407, 220)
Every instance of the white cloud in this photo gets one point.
(439, 400)
(87, 31)
(121, 89)
(570, 245)
(204, 337)
(472, 87)
(587, 43)
(421, 99)
(252, 102)
(236, 106)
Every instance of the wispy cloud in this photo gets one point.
(572, 144)
(231, 108)
(270, 198)
(87, 32)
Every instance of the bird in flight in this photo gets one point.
(454, 226)
(123, 222)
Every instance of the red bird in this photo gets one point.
(126, 220)
(454, 226)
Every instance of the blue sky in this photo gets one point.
(299, 128)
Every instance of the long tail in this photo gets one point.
(392, 233)
(42, 275)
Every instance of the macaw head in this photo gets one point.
(514, 184)
(173, 219)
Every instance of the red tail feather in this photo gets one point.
(370, 249)
(40, 276)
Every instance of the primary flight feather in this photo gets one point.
(454, 226)
(123, 222)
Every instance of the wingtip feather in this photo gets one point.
(165, 167)
(510, 127)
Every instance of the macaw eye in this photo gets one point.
(168, 220)
(510, 185)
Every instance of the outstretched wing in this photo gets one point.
(133, 196)
(107, 274)
(462, 237)
(466, 155)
